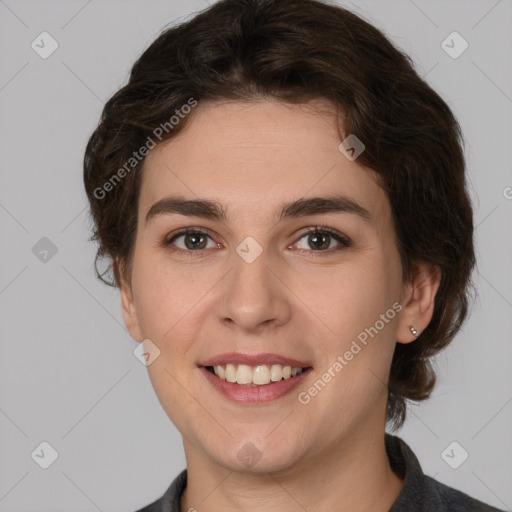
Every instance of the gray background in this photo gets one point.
(68, 375)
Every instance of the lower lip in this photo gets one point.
(254, 394)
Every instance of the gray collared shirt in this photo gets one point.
(420, 493)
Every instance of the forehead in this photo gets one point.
(258, 153)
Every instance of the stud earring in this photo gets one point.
(414, 331)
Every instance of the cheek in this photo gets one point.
(168, 303)
(360, 311)
(350, 297)
(163, 297)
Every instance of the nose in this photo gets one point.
(254, 297)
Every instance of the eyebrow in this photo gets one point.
(303, 207)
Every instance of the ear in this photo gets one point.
(128, 309)
(418, 301)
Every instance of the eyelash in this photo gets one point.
(343, 240)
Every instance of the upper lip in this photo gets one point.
(253, 360)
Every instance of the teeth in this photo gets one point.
(259, 375)
(230, 372)
(276, 372)
(221, 372)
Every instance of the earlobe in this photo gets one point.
(414, 330)
(419, 302)
(129, 311)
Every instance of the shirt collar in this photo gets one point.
(406, 465)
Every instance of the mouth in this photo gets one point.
(252, 379)
(255, 375)
(254, 385)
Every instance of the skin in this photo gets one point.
(251, 157)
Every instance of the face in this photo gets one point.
(298, 285)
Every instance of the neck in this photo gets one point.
(353, 475)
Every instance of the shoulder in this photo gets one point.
(423, 493)
(170, 501)
(156, 506)
(453, 500)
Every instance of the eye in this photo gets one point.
(194, 241)
(320, 239)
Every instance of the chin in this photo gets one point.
(258, 454)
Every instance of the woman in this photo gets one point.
(284, 204)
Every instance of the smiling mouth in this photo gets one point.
(254, 376)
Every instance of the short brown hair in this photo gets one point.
(295, 51)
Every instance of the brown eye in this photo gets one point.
(320, 240)
(194, 241)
